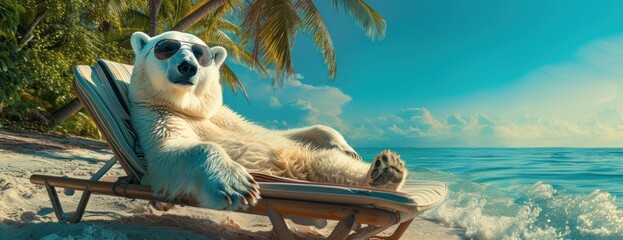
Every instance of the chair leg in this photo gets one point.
(104, 169)
(86, 194)
(56, 204)
(367, 232)
(343, 228)
(279, 224)
(58, 208)
(402, 228)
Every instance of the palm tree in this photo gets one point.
(258, 34)
(271, 26)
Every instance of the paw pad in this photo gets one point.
(387, 170)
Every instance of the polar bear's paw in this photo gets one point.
(231, 189)
(387, 171)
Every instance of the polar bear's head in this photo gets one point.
(178, 71)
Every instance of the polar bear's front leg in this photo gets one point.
(206, 172)
(322, 137)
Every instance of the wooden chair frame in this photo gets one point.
(377, 220)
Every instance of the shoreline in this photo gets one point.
(27, 211)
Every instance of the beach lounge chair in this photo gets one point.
(103, 91)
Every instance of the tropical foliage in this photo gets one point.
(41, 40)
(10, 16)
(45, 39)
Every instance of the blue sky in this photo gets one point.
(459, 74)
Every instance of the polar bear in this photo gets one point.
(196, 145)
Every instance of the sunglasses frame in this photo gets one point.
(192, 44)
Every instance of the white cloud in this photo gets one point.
(416, 127)
(323, 103)
(398, 130)
(293, 104)
(274, 102)
(416, 122)
(570, 90)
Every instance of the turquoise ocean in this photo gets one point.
(523, 193)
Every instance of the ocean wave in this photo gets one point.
(537, 211)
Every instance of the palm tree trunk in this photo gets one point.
(65, 112)
(28, 35)
(154, 7)
(195, 16)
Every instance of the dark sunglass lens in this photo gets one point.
(166, 48)
(203, 54)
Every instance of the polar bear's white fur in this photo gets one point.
(196, 145)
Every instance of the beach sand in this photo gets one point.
(26, 212)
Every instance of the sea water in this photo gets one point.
(524, 193)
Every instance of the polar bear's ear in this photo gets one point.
(139, 40)
(219, 55)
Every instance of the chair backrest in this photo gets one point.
(103, 90)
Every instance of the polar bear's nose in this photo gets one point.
(187, 69)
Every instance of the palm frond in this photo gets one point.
(121, 6)
(313, 24)
(219, 38)
(229, 78)
(372, 23)
(240, 55)
(228, 26)
(271, 26)
(246, 58)
(251, 20)
(172, 11)
(213, 18)
(136, 19)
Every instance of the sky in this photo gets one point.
(457, 73)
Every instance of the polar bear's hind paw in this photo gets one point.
(387, 171)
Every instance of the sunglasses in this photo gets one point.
(166, 48)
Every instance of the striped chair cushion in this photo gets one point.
(415, 195)
(103, 90)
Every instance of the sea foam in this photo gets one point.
(536, 211)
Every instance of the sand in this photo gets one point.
(26, 213)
